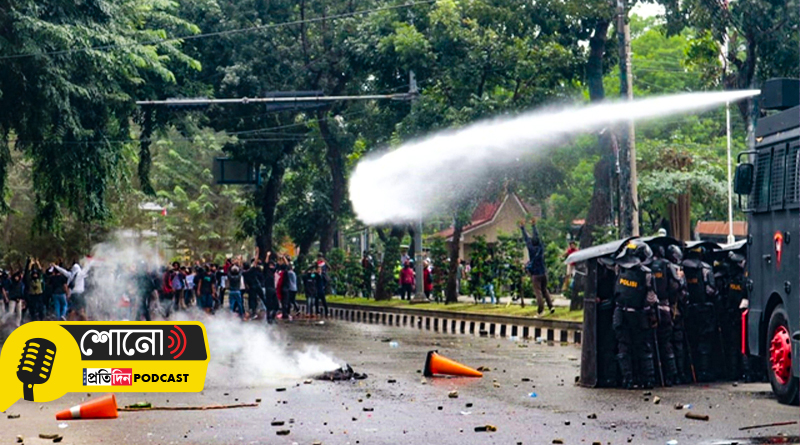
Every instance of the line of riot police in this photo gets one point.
(668, 314)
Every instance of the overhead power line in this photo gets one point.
(219, 33)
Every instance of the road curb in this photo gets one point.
(459, 322)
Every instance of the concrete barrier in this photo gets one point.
(500, 326)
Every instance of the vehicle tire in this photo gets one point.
(779, 358)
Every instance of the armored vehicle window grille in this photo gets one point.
(761, 192)
(777, 177)
(793, 174)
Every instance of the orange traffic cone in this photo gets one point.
(103, 408)
(438, 364)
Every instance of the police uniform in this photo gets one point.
(634, 316)
(662, 278)
(676, 287)
(606, 337)
(733, 302)
(701, 320)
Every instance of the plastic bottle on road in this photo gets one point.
(394, 344)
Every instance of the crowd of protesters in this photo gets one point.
(254, 289)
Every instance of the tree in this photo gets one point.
(474, 60)
(70, 74)
(762, 42)
(201, 216)
(391, 259)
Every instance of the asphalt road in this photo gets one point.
(417, 410)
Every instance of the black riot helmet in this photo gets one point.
(674, 254)
(737, 259)
(696, 252)
(634, 253)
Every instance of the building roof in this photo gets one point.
(485, 213)
(720, 228)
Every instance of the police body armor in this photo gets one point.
(634, 338)
(631, 287)
(702, 318)
(676, 285)
(660, 268)
(736, 290)
(699, 287)
(738, 362)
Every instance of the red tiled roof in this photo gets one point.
(485, 210)
(720, 228)
(482, 214)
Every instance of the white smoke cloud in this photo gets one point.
(248, 353)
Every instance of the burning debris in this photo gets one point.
(344, 373)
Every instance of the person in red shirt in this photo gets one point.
(570, 267)
(427, 280)
(407, 281)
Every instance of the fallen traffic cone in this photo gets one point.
(103, 408)
(438, 364)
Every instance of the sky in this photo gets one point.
(647, 9)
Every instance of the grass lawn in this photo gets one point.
(562, 313)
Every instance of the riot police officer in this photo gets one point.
(734, 302)
(663, 279)
(676, 288)
(634, 315)
(607, 375)
(701, 320)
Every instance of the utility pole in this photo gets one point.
(419, 294)
(629, 196)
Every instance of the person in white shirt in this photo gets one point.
(76, 281)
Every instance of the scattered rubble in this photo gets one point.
(283, 432)
(453, 394)
(14, 416)
(189, 408)
(485, 428)
(344, 373)
(696, 416)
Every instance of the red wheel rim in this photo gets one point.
(780, 355)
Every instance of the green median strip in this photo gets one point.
(561, 313)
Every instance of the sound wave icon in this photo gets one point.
(176, 342)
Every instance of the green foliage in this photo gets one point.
(482, 272)
(509, 254)
(390, 263)
(68, 107)
(554, 263)
(201, 216)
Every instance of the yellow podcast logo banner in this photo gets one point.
(41, 361)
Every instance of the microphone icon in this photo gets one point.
(35, 365)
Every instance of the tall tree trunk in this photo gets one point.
(600, 206)
(269, 201)
(334, 155)
(451, 291)
(594, 65)
(680, 217)
(391, 255)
